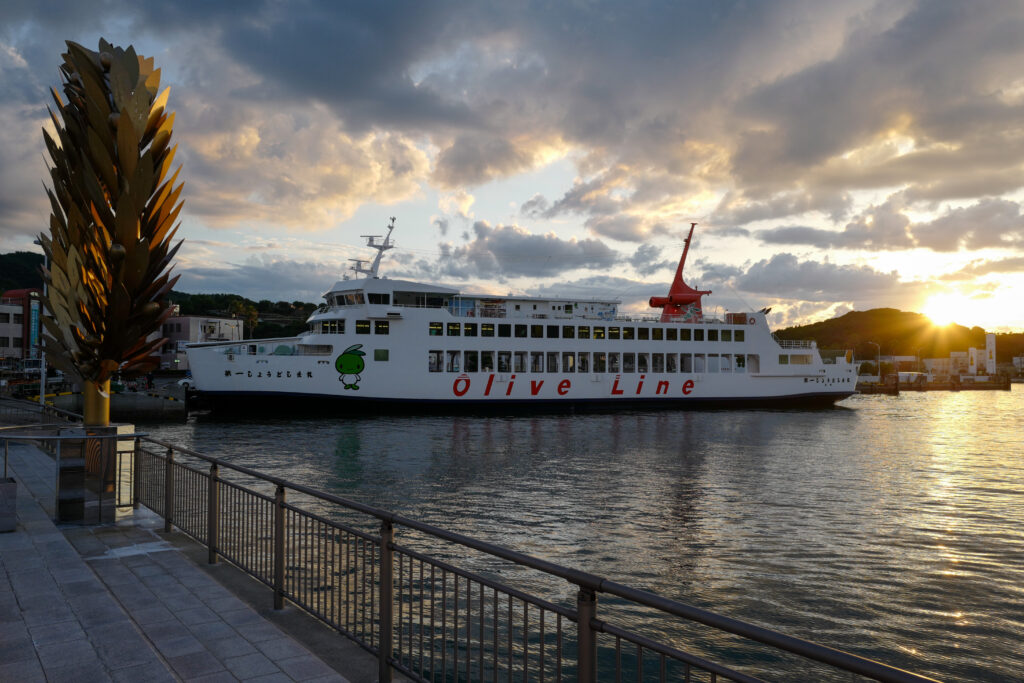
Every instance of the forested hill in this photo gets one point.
(20, 270)
(901, 334)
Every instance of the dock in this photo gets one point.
(128, 602)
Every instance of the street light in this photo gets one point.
(878, 358)
(42, 355)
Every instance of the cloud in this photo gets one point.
(645, 260)
(261, 278)
(989, 223)
(508, 251)
(785, 276)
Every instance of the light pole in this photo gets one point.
(42, 355)
(878, 358)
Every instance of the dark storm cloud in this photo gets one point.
(784, 275)
(266, 278)
(989, 223)
(646, 260)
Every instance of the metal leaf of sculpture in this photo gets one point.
(109, 244)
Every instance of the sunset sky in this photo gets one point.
(836, 155)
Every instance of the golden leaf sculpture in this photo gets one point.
(114, 213)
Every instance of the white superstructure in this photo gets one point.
(381, 341)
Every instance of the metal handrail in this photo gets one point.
(586, 580)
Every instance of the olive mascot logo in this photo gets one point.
(349, 364)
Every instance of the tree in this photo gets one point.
(114, 213)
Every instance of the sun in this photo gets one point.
(943, 309)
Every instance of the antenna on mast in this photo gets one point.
(381, 247)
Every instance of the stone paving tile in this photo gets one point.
(249, 666)
(281, 648)
(23, 671)
(90, 671)
(61, 632)
(66, 654)
(219, 677)
(232, 646)
(258, 631)
(148, 673)
(304, 667)
(195, 664)
(120, 645)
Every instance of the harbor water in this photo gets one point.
(889, 526)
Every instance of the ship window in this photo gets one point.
(584, 332)
(537, 331)
(517, 307)
(381, 326)
(800, 359)
(686, 362)
(657, 362)
(362, 327)
(472, 358)
(380, 354)
(504, 330)
(436, 329)
(469, 329)
(536, 361)
(487, 329)
(671, 362)
(454, 329)
(552, 332)
(643, 333)
(613, 333)
(487, 361)
(453, 361)
(712, 335)
(713, 362)
(583, 362)
(741, 363)
(435, 361)
(568, 362)
(726, 365)
(379, 298)
(552, 361)
(670, 334)
(641, 363)
(520, 362)
(783, 359)
(600, 362)
(698, 335)
(698, 363)
(520, 331)
(333, 327)
(657, 334)
(629, 362)
(754, 363)
(598, 333)
(568, 331)
(739, 335)
(727, 335)
(628, 333)
(504, 361)
(613, 362)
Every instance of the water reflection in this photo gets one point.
(891, 527)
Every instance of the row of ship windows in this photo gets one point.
(361, 327)
(437, 329)
(569, 361)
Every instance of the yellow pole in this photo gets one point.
(96, 400)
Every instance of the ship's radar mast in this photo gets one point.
(381, 247)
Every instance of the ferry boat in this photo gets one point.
(378, 342)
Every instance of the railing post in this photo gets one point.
(279, 548)
(386, 607)
(213, 515)
(137, 474)
(169, 490)
(586, 610)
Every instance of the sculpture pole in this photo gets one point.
(113, 216)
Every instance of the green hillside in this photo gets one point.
(901, 334)
(20, 270)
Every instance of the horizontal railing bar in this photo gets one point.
(508, 590)
(669, 651)
(44, 437)
(821, 653)
(241, 487)
(331, 523)
(804, 648)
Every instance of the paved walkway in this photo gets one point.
(124, 603)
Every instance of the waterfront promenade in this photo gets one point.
(126, 602)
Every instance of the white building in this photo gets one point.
(185, 329)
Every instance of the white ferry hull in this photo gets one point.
(378, 342)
